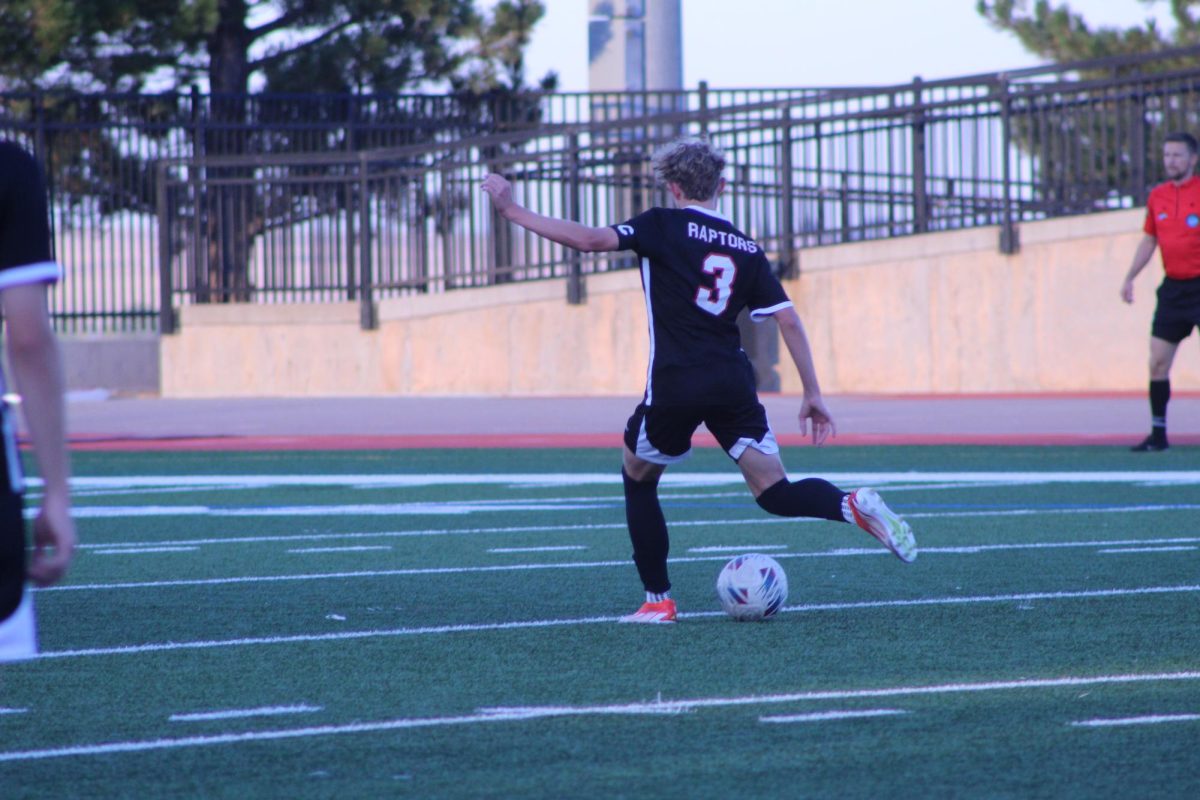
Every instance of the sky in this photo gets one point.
(785, 43)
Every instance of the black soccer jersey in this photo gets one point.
(24, 224)
(698, 273)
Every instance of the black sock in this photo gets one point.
(811, 497)
(1160, 395)
(647, 532)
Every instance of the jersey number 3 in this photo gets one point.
(723, 270)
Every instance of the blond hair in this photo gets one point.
(694, 164)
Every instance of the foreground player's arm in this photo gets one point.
(813, 406)
(37, 372)
(564, 231)
(1141, 257)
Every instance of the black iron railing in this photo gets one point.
(166, 200)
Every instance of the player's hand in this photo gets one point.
(1127, 291)
(499, 190)
(53, 541)
(813, 408)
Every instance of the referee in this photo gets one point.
(1172, 222)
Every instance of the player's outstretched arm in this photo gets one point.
(564, 231)
(37, 372)
(1141, 257)
(813, 406)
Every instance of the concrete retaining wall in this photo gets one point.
(938, 313)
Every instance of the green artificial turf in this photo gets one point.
(1038, 613)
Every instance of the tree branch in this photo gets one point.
(284, 21)
(279, 55)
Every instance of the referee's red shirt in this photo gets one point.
(1173, 217)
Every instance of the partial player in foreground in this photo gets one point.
(698, 273)
(1172, 223)
(25, 270)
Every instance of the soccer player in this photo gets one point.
(26, 268)
(1173, 221)
(698, 273)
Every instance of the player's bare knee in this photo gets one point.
(640, 470)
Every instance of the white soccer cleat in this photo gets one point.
(873, 516)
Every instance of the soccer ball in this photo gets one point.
(752, 587)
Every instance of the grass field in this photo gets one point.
(442, 624)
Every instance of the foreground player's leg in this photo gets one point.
(18, 632)
(816, 497)
(18, 636)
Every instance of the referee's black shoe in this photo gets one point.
(1151, 444)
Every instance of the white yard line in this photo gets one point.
(834, 553)
(555, 623)
(251, 736)
(324, 537)
(670, 479)
(348, 549)
(125, 550)
(737, 548)
(506, 506)
(549, 549)
(356, 509)
(320, 576)
(243, 713)
(1144, 549)
(823, 716)
(607, 526)
(4, 711)
(501, 714)
(1147, 720)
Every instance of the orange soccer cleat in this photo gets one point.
(653, 613)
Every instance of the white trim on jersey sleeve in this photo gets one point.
(650, 324)
(761, 314)
(41, 272)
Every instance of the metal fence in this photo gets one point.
(175, 199)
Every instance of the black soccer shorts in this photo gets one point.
(663, 434)
(12, 522)
(1178, 310)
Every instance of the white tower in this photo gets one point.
(635, 45)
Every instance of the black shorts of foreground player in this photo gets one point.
(698, 273)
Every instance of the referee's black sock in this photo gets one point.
(647, 532)
(811, 497)
(1160, 395)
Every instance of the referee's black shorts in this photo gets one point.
(1178, 310)
(12, 523)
